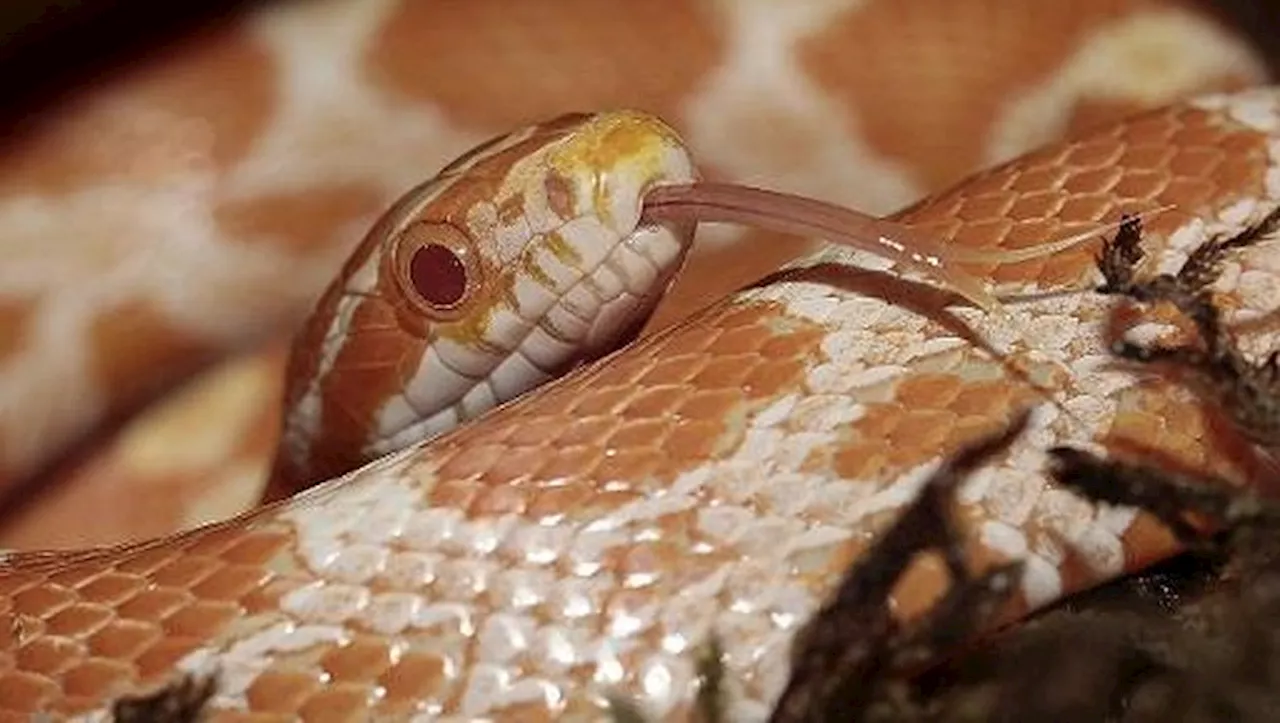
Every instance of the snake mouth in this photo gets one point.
(602, 308)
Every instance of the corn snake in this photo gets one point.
(814, 421)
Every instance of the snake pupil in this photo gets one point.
(438, 275)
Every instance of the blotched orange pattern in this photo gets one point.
(719, 474)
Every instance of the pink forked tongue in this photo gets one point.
(801, 216)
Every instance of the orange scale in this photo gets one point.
(337, 704)
(1095, 154)
(1162, 127)
(553, 501)
(920, 436)
(213, 542)
(878, 421)
(1141, 184)
(144, 562)
(1196, 162)
(185, 571)
(988, 233)
(861, 461)
(154, 604)
(1147, 156)
(1038, 178)
(516, 463)
(1243, 173)
(711, 405)
(657, 401)
(1241, 144)
(608, 500)
(42, 601)
(928, 220)
(690, 441)
(1096, 180)
(985, 206)
(49, 655)
(568, 462)
(123, 639)
(25, 692)
(472, 461)
(361, 660)
(989, 400)
(201, 619)
(157, 661)
(281, 691)
(453, 492)
(1196, 130)
(111, 588)
(79, 620)
(772, 377)
(600, 401)
(1065, 270)
(414, 678)
(256, 546)
(534, 432)
(724, 373)
(740, 339)
(1036, 205)
(77, 575)
(498, 500)
(1087, 207)
(929, 391)
(18, 582)
(693, 339)
(584, 430)
(966, 429)
(1033, 232)
(98, 678)
(231, 582)
(1191, 192)
(640, 433)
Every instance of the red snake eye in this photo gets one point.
(436, 269)
(438, 275)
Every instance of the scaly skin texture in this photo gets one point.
(184, 208)
(544, 220)
(717, 475)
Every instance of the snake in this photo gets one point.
(715, 475)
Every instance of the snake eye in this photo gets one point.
(438, 275)
(436, 268)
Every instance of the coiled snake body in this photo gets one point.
(719, 474)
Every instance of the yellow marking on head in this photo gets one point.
(627, 143)
(617, 141)
(562, 249)
(529, 264)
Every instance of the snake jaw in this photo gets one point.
(560, 269)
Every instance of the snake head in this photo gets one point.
(521, 259)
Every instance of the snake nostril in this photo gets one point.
(438, 275)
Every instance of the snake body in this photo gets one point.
(718, 475)
(204, 195)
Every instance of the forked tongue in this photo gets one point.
(800, 216)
